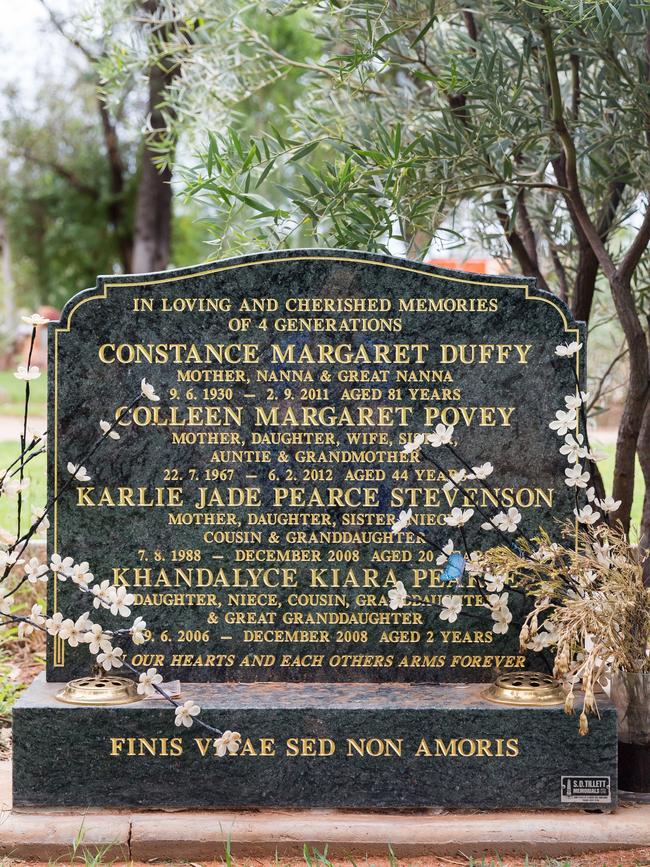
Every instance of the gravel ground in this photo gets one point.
(631, 858)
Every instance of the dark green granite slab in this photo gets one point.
(537, 753)
(342, 559)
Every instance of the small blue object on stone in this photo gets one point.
(454, 568)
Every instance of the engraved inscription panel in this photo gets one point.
(249, 509)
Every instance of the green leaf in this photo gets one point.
(303, 151)
(424, 30)
(256, 202)
(265, 173)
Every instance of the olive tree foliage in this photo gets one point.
(79, 189)
(534, 115)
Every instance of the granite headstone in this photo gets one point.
(249, 508)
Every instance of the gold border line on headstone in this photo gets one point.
(59, 644)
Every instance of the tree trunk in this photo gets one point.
(636, 402)
(643, 450)
(153, 214)
(115, 209)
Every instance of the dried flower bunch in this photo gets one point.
(590, 603)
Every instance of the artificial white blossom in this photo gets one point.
(98, 639)
(5, 604)
(148, 681)
(573, 448)
(566, 350)
(441, 436)
(36, 619)
(608, 504)
(543, 638)
(148, 390)
(588, 577)
(60, 566)
(35, 319)
(414, 445)
(185, 712)
(138, 628)
(458, 517)
(575, 401)
(507, 521)
(119, 600)
(403, 521)
(8, 559)
(564, 422)
(82, 575)
(576, 477)
(27, 373)
(397, 596)
(474, 563)
(80, 473)
(111, 658)
(102, 594)
(12, 487)
(483, 471)
(447, 551)
(546, 552)
(229, 742)
(501, 614)
(53, 624)
(35, 571)
(451, 608)
(455, 476)
(494, 583)
(587, 514)
(602, 553)
(106, 428)
(40, 519)
(74, 631)
(500, 623)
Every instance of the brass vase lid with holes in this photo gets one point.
(103, 689)
(525, 689)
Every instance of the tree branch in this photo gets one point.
(636, 249)
(527, 231)
(63, 172)
(67, 36)
(528, 267)
(571, 158)
(470, 24)
(603, 379)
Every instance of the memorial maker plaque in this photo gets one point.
(249, 509)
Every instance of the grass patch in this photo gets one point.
(10, 688)
(33, 497)
(12, 394)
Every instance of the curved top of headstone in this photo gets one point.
(108, 281)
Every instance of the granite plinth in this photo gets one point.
(309, 745)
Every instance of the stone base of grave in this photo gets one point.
(46, 834)
(307, 745)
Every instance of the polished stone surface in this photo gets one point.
(211, 618)
(312, 745)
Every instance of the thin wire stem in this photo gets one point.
(23, 437)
